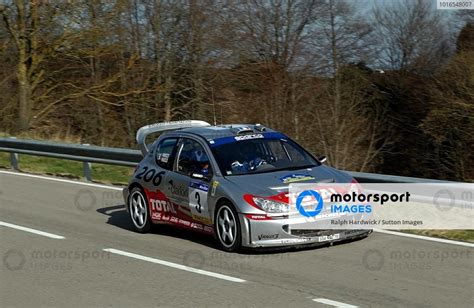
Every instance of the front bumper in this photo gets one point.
(278, 233)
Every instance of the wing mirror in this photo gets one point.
(322, 159)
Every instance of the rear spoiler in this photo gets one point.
(144, 131)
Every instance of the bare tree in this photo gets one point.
(348, 117)
(412, 36)
(270, 56)
(450, 122)
(22, 21)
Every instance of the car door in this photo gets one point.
(156, 175)
(189, 185)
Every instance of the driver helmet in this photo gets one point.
(200, 156)
(202, 160)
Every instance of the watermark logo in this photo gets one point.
(14, 259)
(444, 200)
(194, 258)
(87, 200)
(410, 259)
(373, 260)
(242, 263)
(381, 205)
(318, 200)
(59, 260)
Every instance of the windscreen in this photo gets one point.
(261, 155)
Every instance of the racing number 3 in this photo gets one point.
(198, 201)
(150, 175)
(197, 197)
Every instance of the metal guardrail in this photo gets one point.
(79, 152)
(127, 157)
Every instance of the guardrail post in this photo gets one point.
(87, 169)
(14, 161)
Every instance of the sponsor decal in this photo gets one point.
(268, 237)
(296, 240)
(199, 185)
(177, 190)
(162, 206)
(331, 237)
(197, 197)
(204, 220)
(150, 175)
(247, 137)
(258, 217)
(163, 157)
(184, 222)
(197, 226)
(214, 187)
(291, 178)
(164, 211)
(230, 139)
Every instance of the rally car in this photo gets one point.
(230, 181)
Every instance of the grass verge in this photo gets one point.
(67, 168)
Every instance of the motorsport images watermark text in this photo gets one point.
(49, 259)
(381, 205)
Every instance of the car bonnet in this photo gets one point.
(271, 183)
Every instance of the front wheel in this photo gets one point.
(227, 227)
(138, 209)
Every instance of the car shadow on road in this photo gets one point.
(118, 217)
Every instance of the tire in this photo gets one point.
(138, 210)
(227, 227)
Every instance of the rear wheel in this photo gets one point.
(227, 227)
(138, 209)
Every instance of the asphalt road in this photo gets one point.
(177, 268)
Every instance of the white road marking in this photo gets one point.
(174, 265)
(426, 238)
(61, 180)
(420, 237)
(333, 303)
(50, 235)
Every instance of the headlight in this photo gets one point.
(271, 206)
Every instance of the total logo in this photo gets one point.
(162, 206)
(318, 202)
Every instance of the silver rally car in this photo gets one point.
(231, 181)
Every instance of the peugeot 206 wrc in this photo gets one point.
(231, 181)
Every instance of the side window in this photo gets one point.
(164, 154)
(193, 159)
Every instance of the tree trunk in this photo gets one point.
(24, 95)
(24, 84)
